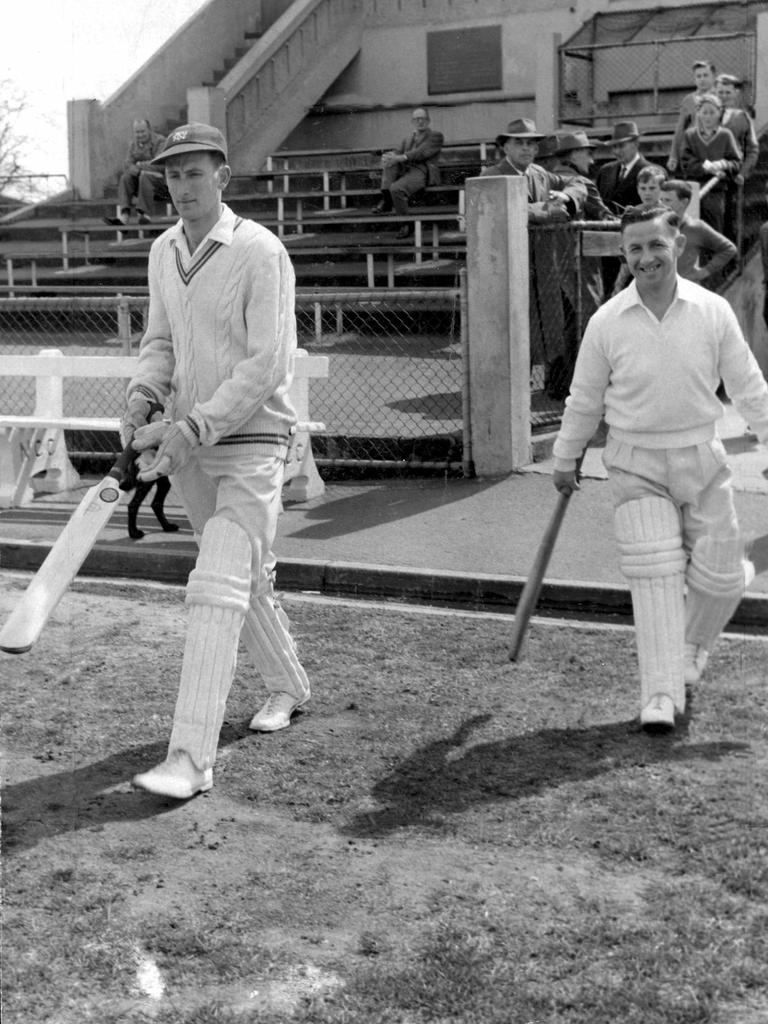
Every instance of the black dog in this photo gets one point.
(158, 503)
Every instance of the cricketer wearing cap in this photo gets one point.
(650, 363)
(218, 353)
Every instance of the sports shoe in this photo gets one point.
(695, 662)
(659, 713)
(276, 713)
(176, 777)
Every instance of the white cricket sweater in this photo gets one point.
(221, 334)
(655, 382)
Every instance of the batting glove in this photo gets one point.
(174, 443)
(135, 415)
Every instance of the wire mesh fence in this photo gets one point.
(644, 79)
(394, 393)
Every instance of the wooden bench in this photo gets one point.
(33, 456)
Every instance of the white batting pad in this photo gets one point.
(218, 593)
(266, 635)
(652, 558)
(716, 582)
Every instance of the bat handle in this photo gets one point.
(125, 469)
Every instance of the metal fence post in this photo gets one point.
(124, 323)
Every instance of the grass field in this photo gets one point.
(442, 836)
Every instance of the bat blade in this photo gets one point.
(530, 593)
(62, 563)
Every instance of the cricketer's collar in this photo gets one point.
(222, 231)
(628, 297)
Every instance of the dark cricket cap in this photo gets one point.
(192, 138)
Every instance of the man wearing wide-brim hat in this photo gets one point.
(552, 198)
(617, 184)
(617, 179)
(575, 156)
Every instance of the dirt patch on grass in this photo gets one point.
(441, 836)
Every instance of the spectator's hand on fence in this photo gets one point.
(174, 443)
(558, 198)
(135, 415)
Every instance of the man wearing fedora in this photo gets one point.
(617, 179)
(617, 185)
(552, 198)
(574, 156)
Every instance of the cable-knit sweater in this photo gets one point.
(655, 381)
(221, 334)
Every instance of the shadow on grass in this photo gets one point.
(449, 776)
(87, 796)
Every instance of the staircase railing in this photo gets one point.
(298, 56)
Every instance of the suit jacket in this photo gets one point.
(619, 194)
(594, 207)
(424, 152)
(541, 183)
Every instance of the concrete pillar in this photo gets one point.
(499, 339)
(760, 87)
(83, 120)
(547, 83)
(207, 105)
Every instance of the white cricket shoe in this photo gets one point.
(276, 712)
(696, 659)
(176, 777)
(658, 713)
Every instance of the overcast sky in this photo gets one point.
(55, 50)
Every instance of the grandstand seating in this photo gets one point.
(318, 202)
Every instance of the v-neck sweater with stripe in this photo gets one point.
(220, 341)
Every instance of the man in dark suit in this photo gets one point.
(617, 179)
(410, 168)
(617, 184)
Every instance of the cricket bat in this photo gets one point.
(530, 594)
(63, 561)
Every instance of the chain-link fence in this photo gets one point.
(644, 79)
(394, 394)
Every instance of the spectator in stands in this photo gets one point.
(617, 179)
(552, 199)
(218, 352)
(574, 156)
(738, 122)
(650, 363)
(710, 152)
(139, 180)
(410, 168)
(649, 182)
(617, 185)
(706, 252)
(704, 80)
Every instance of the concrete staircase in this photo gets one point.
(254, 81)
